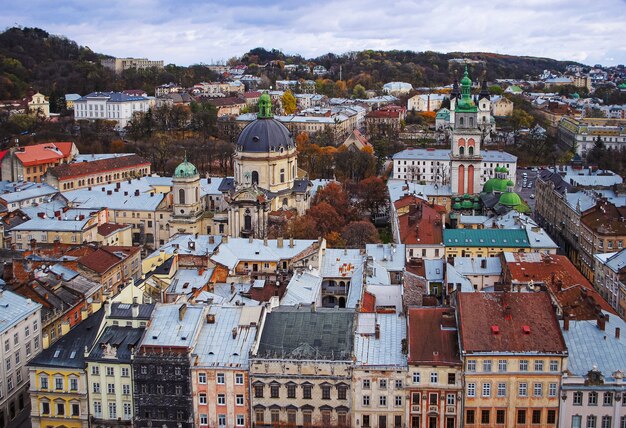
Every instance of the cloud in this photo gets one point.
(199, 31)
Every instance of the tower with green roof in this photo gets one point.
(465, 156)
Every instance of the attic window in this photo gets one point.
(526, 329)
(495, 329)
(56, 353)
(73, 354)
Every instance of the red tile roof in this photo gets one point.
(511, 313)
(432, 336)
(393, 114)
(422, 224)
(107, 229)
(605, 219)
(569, 288)
(44, 153)
(68, 171)
(252, 94)
(104, 258)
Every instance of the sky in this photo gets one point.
(206, 31)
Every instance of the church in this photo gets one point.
(267, 183)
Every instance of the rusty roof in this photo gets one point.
(106, 257)
(505, 322)
(40, 154)
(432, 336)
(422, 224)
(78, 169)
(605, 219)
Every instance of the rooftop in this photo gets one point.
(174, 324)
(304, 287)
(506, 238)
(44, 153)
(124, 311)
(340, 263)
(241, 249)
(68, 171)
(432, 337)
(14, 308)
(116, 344)
(444, 155)
(383, 349)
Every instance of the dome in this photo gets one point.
(466, 196)
(476, 206)
(185, 170)
(510, 199)
(264, 136)
(456, 206)
(510, 184)
(466, 205)
(495, 185)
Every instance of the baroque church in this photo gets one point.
(267, 183)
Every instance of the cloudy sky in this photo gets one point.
(205, 31)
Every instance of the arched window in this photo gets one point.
(285, 202)
(461, 121)
(471, 121)
(247, 221)
(470, 150)
(461, 150)
(255, 177)
(282, 175)
(293, 172)
(197, 194)
(181, 196)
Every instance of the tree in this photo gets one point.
(373, 194)
(326, 218)
(495, 90)
(520, 120)
(358, 233)
(335, 195)
(359, 91)
(289, 103)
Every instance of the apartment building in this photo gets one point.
(30, 163)
(114, 106)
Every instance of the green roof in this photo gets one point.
(443, 113)
(456, 206)
(185, 170)
(476, 206)
(622, 86)
(494, 185)
(265, 106)
(503, 238)
(510, 199)
(515, 89)
(466, 104)
(466, 205)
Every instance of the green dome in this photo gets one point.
(495, 185)
(466, 196)
(466, 205)
(456, 206)
(265, 106)
(476, 199)
(185, 170)
(575, 95)
(622, 86)
(457, 199)
(476, 206)
(510, 199)
(510, 184)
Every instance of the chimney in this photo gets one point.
(507, 313)
(181, 312)
(377, 331)
(313, 308)
(211, 239)
(135, 308)
(251, 239)
(483, 264)
(291, 244)
(234, 332)
(559, 285)
(210, 318)
(224, 239)
(617, 332)
(566, 321)
(601, 322)
(107, 309)
(279, 242)
(265, 241)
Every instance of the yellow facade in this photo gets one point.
(512, 390)
(482, 251)
(58, 397)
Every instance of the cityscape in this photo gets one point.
(332, 228)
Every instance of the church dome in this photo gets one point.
(185, 170)
(510, 199)
(495, 185)
(265, 134)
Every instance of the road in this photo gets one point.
(525, 192)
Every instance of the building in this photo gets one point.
(514, 355)
(484, 242)
(609, 279)
(118, 65)
(38, 105)
(69, 100)
(434, 388)
(397, 88)
(593, 392)
(58, 380)
(30, 163)
(114, 106)
(501, 106)
(219, 373)
(167, 88)
(379, 373)
(384, 121)
(300, 368)
(425, 102)
(418, 225)
(581, 133)
(20, 325)
(112, 266)
(19, 195)
(162, 366)
(80, 175)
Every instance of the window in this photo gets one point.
(73, 384)
(591, 421)
(554, 366)
(471, 390)
(43, 381)
(45, 408)
(521, 417)
(258, 391)
(16, 338)
(500, 417)
(144, 370)
(259, 416)
(110, 371)
(26, 331)
(487, 366)
(551, 417)
(382, 384)
(382, 400)
(111, 388)
(451, 378)
(366, 400)
(450, 399)
(35, 325)
(58, 383)
(434, 378)
(398, 401)
(471, 365)
(607, 399)
(538, 365)
(538, 390)
(239, 379)
(593, 399)
(177, 371)
(622, 422)
(502, 365)
(470, 417)
(578, 398)
(7, 345)
(577, 421)
(60, 409)
(221, 399)
(178, 390)
(416, 377)
(220, 378)
(125, 372)
(536, 418)
(486, 390)
(127, 411)
(291, 390)
(501, 389)
(307, 391)
(523, 365)
(75, 409)
(202, 398)
(342, 392)
(274, 391)
(366, 384)
(159, 370)
(522, 390)
(398, 383)
(201, 377)
(96, 387)
(307, 417)
(552, 389)
(239, 399)
(484, 417)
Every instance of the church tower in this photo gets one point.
(186, 191)
(465, 156)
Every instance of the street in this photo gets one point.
(524, 191)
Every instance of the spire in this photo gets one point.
(456, 93)
(265, 106)
(465, 102)
(484, 91)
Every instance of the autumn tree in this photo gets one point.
(357, 234)
(373, 194)
(358, 91)
(289, 103)
(326, 218)
(335, 195)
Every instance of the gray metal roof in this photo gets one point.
(168, 329)
(387, 349)
(588, 346)
(304, 287)
(444, 155)
(14, 308)
(264, 135)
(389, 256)
(301, 333)
(124, 311)
(122, 339)
(473, 265)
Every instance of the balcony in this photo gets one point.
(433, 408)
(416, 408)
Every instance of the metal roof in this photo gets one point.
(506, 238)
(122, 340)
(13, 308)
(174, 324)
(304, 287)
(384, 351)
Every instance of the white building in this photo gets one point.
(425, 102)
(20, 323)
(115, 106)
(397, 88)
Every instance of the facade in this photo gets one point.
(219, 374)
(114, 106)
(39, 105)
(425, 102)
(609, 279)
(104, 171)
(434, 381)
(58, 380)
(111, 266)
(593, 392)
(301, 375)
(484, 242)
(120, 64)
(379, 373)
(514, 356)
(501, 107)
(30, 163)
(418, 225)
(20, 325)
(582, 133)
